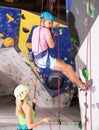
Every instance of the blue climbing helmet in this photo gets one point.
(48, 16)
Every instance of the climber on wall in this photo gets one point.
(42, 39)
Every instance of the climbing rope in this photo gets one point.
(88, 58)
(52, 5)
(58, 19)
(35, 105)
(35, 90)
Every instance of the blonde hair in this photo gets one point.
(19, 103)
(19, 110)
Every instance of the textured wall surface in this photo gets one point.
(89, 101)
(78, 20)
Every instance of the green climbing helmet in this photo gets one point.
(21, 91)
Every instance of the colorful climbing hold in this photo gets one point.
(1, 35)
(86, 105)
(93, 89)
(9, 41)
(29, 45)
(80, 125)
(60, 31)
(97, 104)
(67, 11)
(73, 40)
(90, 83)
(89, 9)
(65, 59)
(93, 106)
(85, 73)
(10, 18)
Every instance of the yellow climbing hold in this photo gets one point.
(29, 45)
(11, 19)
(1, 35)
(9, 41)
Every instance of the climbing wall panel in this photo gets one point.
(90, 107)
(9, 26)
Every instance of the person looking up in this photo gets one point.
(24, 110)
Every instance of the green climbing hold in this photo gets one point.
(93, 106)
(60, 31)
(80, 125)
(89, 9)
(73, 40)
(85, 73)
(65, 59)
(67, 11)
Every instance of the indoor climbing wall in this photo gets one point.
(15, 27)
(88, 67)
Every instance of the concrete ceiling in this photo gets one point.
(7, 84)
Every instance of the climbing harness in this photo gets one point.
(34, 58)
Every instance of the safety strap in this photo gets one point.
(41, 55)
